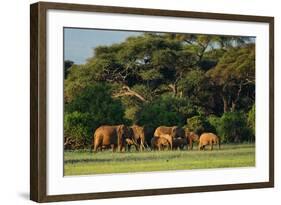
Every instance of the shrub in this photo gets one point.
(251, 122)
(233, 127)
(199, 124)
(215, 122)
(77, 129)
(166, 110)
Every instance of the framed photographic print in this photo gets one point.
(136, 102)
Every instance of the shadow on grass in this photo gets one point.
(127, 158)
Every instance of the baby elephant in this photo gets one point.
(159, 143)
(179, 143)
(208, 139)
(129, 142)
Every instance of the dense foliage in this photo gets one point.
(203, 82)
(200, 124)
(94, 106)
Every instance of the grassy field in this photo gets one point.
(83, 162)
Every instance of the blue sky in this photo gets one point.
(79, 43)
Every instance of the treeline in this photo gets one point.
(203, 82)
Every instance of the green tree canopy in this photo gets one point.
(205, 82)
(92, 107)
(234, 76)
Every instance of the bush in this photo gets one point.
(215, 122)
(77, 129)
(199, 124)
(165, 110)
(251, 122)
(233, 127)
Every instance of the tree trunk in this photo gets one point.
(237, 139)
(225, 104)
(126, 91)
(180, 94)
(234, 102)
(233, 106)
(174, 88)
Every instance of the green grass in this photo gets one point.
(81, 162)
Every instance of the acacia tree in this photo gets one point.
(166, 78)
(149, 60)
(67, 65)
(234, 76)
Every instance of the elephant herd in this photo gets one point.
(122, 137)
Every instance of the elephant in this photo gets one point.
(159, 143)
(108, 136)
(170, 133)
(191, 137)
(148, 134)
(138, 137)
(208, 139)
(129, 142)
(179, 143)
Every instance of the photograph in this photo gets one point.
(129, 101)
(147, 101)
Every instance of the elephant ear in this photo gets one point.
(187, 133)
(174, 129)
(196, 137)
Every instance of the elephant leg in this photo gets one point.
(211, 146)
(96, 146)
(146, 146)
(171, 144)
(112, 147)
(141, 146)
(120, 148)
